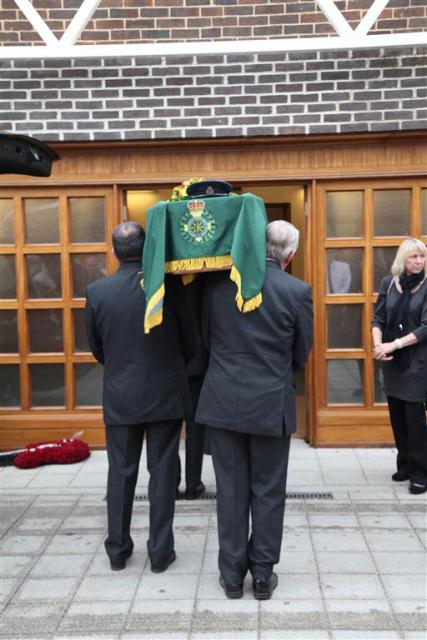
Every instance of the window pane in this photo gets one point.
(6, 221)
(80, 338)
(391, 212)
(41, 220)
(424, 212)
(47, 385)
(383, 259)
(345, 381)
(86, 268)
(344, 270)
(88, 379)
(44, 275)
(344, 214)
(379, 383)
(45, 330)
(345, 326)
(87, 219)
(8, 332)
(7, 277)
(9, 385)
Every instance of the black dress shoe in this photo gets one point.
(399, 476)
(417, 488)
(162, 566)
(263, 588)
(192, 493)
(232, 591)
(120, 563)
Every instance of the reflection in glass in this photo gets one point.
(344, 326)
(344, 214)
(86, 268)
(379, 383)
(47, 385)
(88, 381)
(44, 275)
(7, 277)
(383, 259)
(41, 220)
(80, 337)
(424, 212)
(345, 381)
(8, 331)
(9, 385)
(344, 270)
(6, 221)
(87, 219)
(391, 212)
(45, 327)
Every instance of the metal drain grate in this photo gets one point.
(292, 495)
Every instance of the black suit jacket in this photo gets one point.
(249, 384)
(144, 375)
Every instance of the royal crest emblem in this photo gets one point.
(197, 225)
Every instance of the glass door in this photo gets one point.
(52, 244)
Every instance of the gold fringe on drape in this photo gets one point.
(197, 264)
(244, 305)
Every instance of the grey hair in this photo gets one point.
(405, 249)
(282, 240)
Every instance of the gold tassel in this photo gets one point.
(188, 278)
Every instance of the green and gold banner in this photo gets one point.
(187, 236)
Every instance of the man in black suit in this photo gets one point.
(248, 403)
(145, 392)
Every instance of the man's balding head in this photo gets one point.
(128, 241)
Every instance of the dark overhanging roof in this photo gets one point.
(25, 155)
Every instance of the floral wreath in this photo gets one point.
(180, 191)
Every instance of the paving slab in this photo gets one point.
(352, 565)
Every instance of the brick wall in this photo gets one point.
(215, 96)
(118, 21)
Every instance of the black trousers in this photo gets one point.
(251, 476)
(194, 441)
(124, 446)
(408, 420)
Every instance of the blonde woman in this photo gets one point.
(399, 332)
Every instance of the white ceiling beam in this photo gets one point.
(79, 22)
(370, 17)
(38, 24)
(221, 47)
(335, 17)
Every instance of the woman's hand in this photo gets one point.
(383, 350)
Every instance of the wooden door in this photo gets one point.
(356, 231)
(53, 242)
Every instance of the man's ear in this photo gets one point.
(287, 261)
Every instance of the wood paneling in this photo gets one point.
(245, 160)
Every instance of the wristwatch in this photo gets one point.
(399, 344)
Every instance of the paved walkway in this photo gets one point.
(353, 563)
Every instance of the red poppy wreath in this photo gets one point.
(65, 451)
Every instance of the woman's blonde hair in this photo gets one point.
(405, 249)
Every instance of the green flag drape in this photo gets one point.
(189, 235)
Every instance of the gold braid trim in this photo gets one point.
(244, 305)
(196, 264)
(154, 319)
